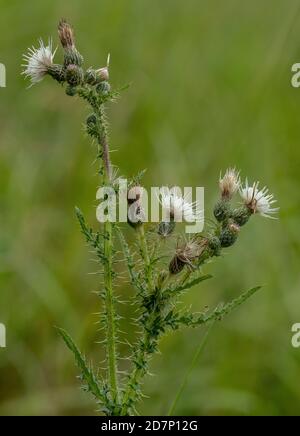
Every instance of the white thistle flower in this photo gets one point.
(229, 183)
(176, 207)
(38, 61)
(258, 200)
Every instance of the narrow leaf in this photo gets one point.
(87, 374)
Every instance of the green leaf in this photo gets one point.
(87, 374)
(193, 320)
(187, 285)
(94, 239)
(192, 283)
(136, 180)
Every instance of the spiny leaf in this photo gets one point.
(187, 285)
(87, 374)
(92, 238)
(193, 320)
(136, 180)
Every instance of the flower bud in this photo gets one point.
(103, 88)
(103, 74)
(91, 77)
(74, 75)
(222, 210)
(67, 39)
(215, 245)
(229, 234)
(72, 56)
(91, 125)
(71, 90)
(241, 215)
(166, 228)
(57, 72)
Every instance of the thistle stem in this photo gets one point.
(108, 267)
(111, 325)
(145, 255)
(140, 369)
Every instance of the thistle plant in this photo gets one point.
(159, 279)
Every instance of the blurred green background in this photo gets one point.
(210, 87)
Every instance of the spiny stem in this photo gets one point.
(140, 369)
(111, 327)
(145, 255)
(108, 269)
(105, 146)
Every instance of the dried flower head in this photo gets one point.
(66, 34)
(229, 183)
(39, 61)
(186, 254)
(258, 201)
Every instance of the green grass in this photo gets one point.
(210, 87)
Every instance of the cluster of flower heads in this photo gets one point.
(39, 62)
(255, 200)
(230, 219)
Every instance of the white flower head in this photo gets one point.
(229, 183)
(38, 61)
(177, 208)
(258, 200)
